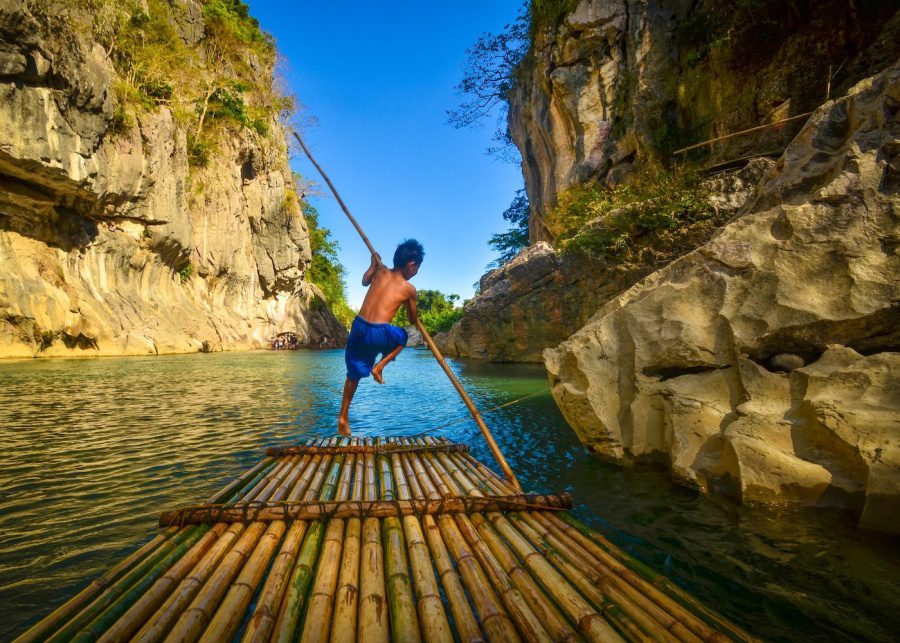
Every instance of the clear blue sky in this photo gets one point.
(379, 77)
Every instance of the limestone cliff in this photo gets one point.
(614, 83)
(611, 84)
(701, 365)
(110, 243)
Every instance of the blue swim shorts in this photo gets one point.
(366, 342)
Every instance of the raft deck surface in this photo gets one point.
(244, 567)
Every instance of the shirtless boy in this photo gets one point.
(372, 333)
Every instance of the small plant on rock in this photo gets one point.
(186, 272)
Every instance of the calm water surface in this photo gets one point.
(96, 449)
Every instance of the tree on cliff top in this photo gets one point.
(488, 79)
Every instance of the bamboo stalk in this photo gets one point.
(373, 617)
(230, 611)
(463, 618)
(526, 621)
(430, 608)
(263, 619)
(241, 481)
(611, 583)
(551, 618)
(193, 620)
(488, 436)
(147, 604)
(317, 621)
(121, 605)
(493, 620)
(591, 624)
(61, 614)
(113, 592)
(345, 597)
(166, 615)
(403, 618)
(631, 622)
(553, 621)
(653, 581)
(740, 133)
(294, 602)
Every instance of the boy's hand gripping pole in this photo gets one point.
(489, 438)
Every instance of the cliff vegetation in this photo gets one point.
(146, 201)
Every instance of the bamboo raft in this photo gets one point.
(407, 539)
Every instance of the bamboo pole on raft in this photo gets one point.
(495, 450)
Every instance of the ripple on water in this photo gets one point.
(97, 448)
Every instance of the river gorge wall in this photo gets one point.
(111, 241)
(766, 364)
(760, 360)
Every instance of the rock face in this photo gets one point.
(683, 368)
(109, 243)
(616, 82)
(540, 298)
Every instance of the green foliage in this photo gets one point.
(121, 121)
(228, 102)
(437, 311)
(496, 64)
(488, 80)
(225, 80)
(199, 150)
(649, 216)
(511, 242)
(326, 270)
(186, 272)
(548, 13)
(233, 17)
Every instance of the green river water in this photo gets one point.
(96, 449)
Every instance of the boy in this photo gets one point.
(372, 333)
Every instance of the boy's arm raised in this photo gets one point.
(373, 268)
(412, 310)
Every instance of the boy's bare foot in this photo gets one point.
(376, 375)
(344, 427)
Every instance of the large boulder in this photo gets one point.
(698, 366)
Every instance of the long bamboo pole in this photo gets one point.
(740, 133)
(495, 450)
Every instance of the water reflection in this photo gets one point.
(97, 448)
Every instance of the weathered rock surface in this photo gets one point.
(540, 298)
(96, 225)
(619, 81)
(677, 369)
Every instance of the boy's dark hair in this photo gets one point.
(409, 250)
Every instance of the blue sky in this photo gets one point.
(379, 77)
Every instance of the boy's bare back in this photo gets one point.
(388, 290)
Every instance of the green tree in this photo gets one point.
(489, 78)
(326, 270)
(511, 242)
(437, 311)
